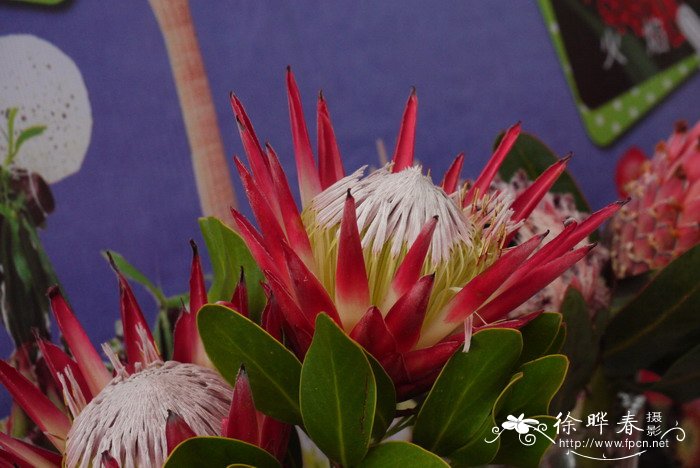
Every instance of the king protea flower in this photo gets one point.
(662, 219)
(553, 213)
(397, 261)
(136, 413)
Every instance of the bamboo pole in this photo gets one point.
(211, 172)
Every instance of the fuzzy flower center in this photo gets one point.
(128, 417)
(392, 208)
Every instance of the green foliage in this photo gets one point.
(26, 276)
(464, 393)
(15, 143)
(476, 391)
(581, 347)
(219, 452)
(338, 394)
(532, 156)
(540, 382)
(539, 335)
(401, 455)
(231, 340)
(228, 254)
(386, 399)
(26, 270)
(682, 379)
(660, 324)
(516, 453)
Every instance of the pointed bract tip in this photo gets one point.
(436, 217)
(193, 245)
(681, 126)
(108, 461)
(320, 95)
(53, 291)
(413, 91)
(112, 263)
(624, 202)
(349, 195)
(241, 278)
(289, 69)
(567, 157)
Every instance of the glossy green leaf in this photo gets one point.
(228, 253)
(661, 323)
(477, 451)
(581, 347)
(526, 450)
(133, 273)
(466, 389)
(218, 452)
(533, 393)
(539, 334)
(533, 157)
(338, 394)
(231, 340)
(682, 380)
(398, 454)
(386, 399)
(484, 446)
(558, 343)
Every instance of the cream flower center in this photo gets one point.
(393, 207)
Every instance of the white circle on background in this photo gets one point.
(48, 89)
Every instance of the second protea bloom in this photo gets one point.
(553, 213)
(662, 219)
(399, 262)
(137, 410)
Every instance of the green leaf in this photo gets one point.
(661, 323)
(558, 343)
(483, 447)
(516, 453)
(338, 394)
(581, 347)
(215, 452)
(231, 339)
(386, 399)
(533, 157)
(534, 391)
(133, 273)
(28, 133)
(398, 454)
(228, 253)
(466, 389)
(682, 380)
(478, 451)
(539, 334)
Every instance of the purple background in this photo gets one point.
(478, 67)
